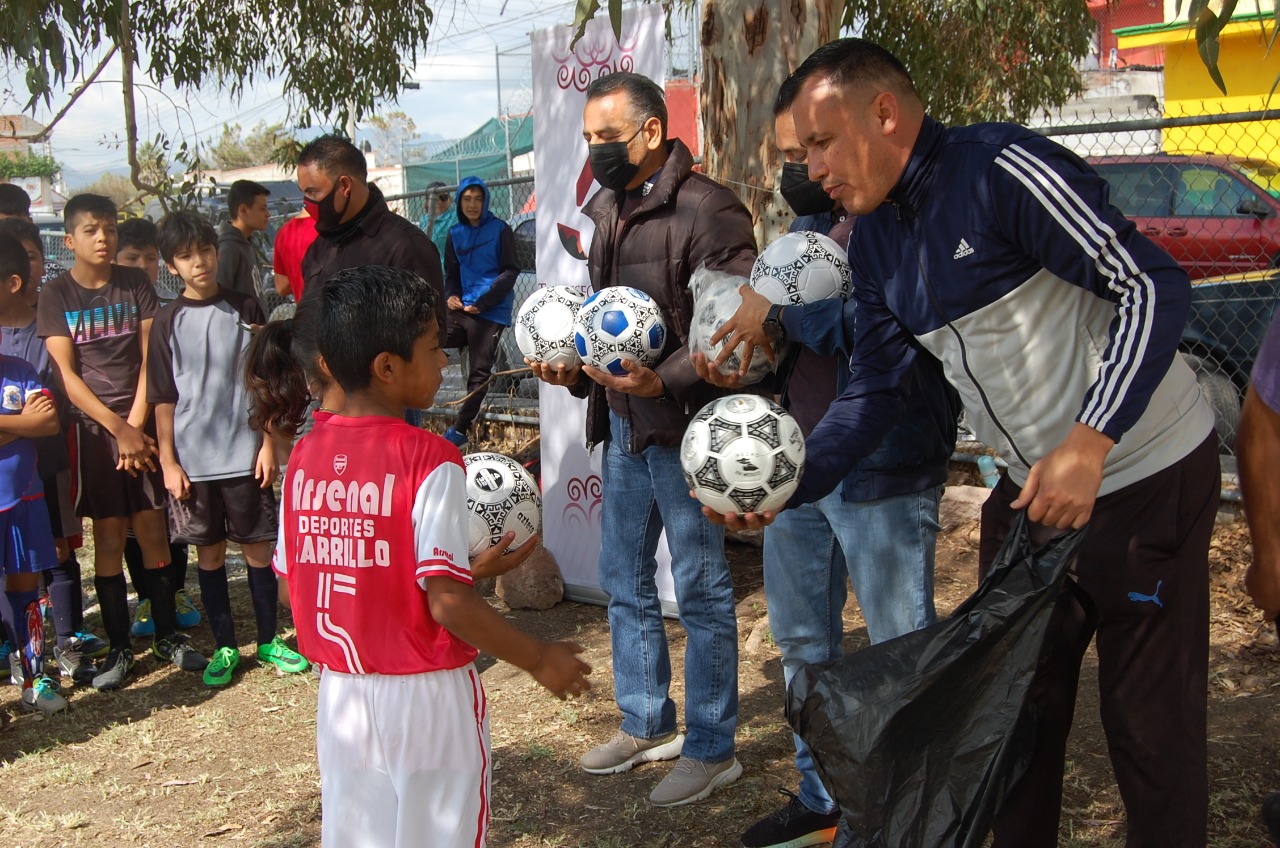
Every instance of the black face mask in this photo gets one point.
(803, 195)
(328, 218)
(611, 164)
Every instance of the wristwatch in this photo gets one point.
(773, 324)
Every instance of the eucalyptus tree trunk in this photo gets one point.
(748, 48)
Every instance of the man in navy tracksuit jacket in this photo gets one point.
(998, 252)
(877, 530)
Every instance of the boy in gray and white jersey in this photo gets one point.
(217, 470)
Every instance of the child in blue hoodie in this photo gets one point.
(479, 274)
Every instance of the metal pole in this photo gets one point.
(506, 129)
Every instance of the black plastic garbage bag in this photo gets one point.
(918, 739)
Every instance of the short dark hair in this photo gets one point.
(335, 156)
(368, 311)
(13, 260)
(139, 233)
(645, 95)
(846, 61)
(14, 201)
(244, 193)
(94, 205)
(179, 230)
(23, 230)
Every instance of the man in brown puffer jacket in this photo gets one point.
(656, 222)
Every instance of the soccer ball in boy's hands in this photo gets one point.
(545, 324)
(743, 453)
(619, 323)
(801, 268)
(502, 496)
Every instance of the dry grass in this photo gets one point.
(167, 762)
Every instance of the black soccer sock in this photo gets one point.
(67, 600)
(28, 633)
(217, 606)
(178, 559)
(133, 562)
(113, 600)
(264, 588)
(160, 588)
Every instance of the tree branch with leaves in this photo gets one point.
(335, 59)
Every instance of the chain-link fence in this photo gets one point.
(1206, 188)
(513, 392)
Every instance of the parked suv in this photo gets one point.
(1210, 212)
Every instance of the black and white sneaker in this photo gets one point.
(73, 661)
(115, 668)
(792, 826)
(177, 650)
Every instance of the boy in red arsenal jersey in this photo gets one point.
(373, 543)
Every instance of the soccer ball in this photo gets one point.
(713, 310)
(801, 268)
(743, 453)
(501, 496)
(619, 323)
(544, 325)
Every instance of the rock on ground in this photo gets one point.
(533, 584)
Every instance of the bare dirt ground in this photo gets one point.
(167, 762)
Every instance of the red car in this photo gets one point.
(1211, 212)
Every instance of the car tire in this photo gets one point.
(1223, 398)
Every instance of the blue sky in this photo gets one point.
(456, 71)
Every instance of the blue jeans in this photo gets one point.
(644, 493)
(885, 547)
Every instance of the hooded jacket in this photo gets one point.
(999, 252)
(480, 264)
(685, 220)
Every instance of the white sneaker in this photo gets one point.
(624, 752)
(693, 780)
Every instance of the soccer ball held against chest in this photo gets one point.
(616, 324)
(545, 325)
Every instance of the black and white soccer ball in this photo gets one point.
(619, 323)
(502, 496)
(545, 324)
(800, 268)
(712, 311)
(743, 453)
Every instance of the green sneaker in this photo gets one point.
(218, 671)
(142, 623)
(283, 657)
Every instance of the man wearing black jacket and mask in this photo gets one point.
(353, 223)
(878, 529)
(656, 222)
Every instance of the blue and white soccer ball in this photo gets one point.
(545, 324)
(617, 324)
(801, 268)
(501, 495)
(743, 453)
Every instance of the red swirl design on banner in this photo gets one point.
(596, 55)
(583, 509)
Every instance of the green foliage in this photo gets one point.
(28, 165)
(262, 145)
(983, 60)
(118, 188)
(978, 60)
(331, 57)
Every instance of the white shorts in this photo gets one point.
(404, 760)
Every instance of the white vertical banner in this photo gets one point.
(571, 483)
